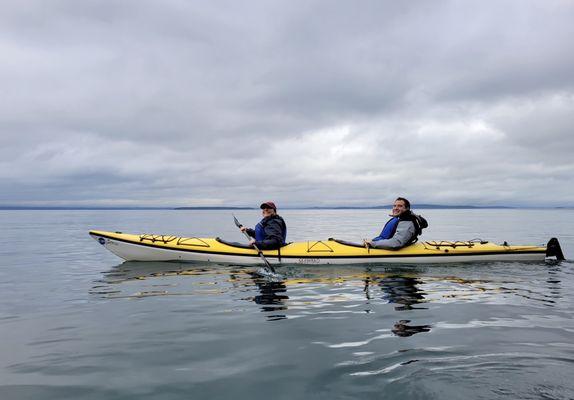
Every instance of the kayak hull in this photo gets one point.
(327, 252)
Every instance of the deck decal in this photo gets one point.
(318, 246)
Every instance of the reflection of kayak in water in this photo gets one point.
(173, 248)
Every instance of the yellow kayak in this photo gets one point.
(146, 247)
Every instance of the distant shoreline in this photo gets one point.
(217, 208)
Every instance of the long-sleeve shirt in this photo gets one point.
(404, 233)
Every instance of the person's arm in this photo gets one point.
(273, 236)
(250, 232)
(404, 233)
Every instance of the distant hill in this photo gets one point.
(414, 206)
(439, 206)
(79, 208)
(214, 208)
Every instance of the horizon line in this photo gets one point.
(215, 208)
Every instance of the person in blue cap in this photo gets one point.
(271, 232)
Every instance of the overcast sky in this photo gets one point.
(174, 103)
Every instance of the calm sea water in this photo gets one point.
(77, 323)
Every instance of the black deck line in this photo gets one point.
(449, 254)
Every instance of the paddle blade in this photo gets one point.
(236, 221)
(269, 275)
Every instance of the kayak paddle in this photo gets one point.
(256, 248)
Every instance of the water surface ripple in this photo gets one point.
(77, 323)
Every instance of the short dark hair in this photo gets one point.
(407, 203)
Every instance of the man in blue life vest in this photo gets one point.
(271, 232)
(401, 230)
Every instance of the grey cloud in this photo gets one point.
(321, 102)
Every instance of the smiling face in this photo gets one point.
(399, 207)
(267, 212)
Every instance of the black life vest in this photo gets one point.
(418, 221)
(260, 228)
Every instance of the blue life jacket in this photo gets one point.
(389, 229)
(259, 232)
